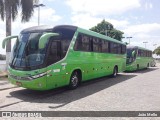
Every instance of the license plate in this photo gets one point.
(18, 83)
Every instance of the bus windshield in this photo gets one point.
(26, 52)
(129, 52)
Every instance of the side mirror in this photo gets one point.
(133, 53)
(44, 38)
(7, 39)
(126, 43)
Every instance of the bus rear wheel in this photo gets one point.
(115, 72)
(74, 80)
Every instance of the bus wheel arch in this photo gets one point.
(75, 79)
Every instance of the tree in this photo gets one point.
(157, 51)
(107, 28)
(9, 12)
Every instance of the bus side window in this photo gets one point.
(119, 49)
(105, 46)
(142, 53)
(78, 44)
(113, 47)
(139, 53)
(82, 43)
(64, 45)
(85, 43)
(147, 53)
(123, 50)
(97, 45)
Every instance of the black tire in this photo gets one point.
(74, 80)
(115, 72)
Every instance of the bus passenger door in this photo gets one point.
(55, 77)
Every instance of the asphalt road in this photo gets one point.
(137, 91)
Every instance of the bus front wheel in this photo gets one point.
(137, 66)
(74, 80)
(115, 71)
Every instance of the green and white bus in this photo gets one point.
(47, 57)
(138, 58)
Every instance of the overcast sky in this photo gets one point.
(137, 18)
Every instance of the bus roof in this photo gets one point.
(45, 28)
(131, 47)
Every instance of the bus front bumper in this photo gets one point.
(35, 84)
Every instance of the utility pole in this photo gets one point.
(129, 39)
(145, 43)
(38, 6)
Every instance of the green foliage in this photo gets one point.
(13, 6)
(107, 28)
(116, 34)
(102, 27)
(157, 51)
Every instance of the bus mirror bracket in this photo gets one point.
(4, 43)
(44, 38)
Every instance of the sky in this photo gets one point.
(139, 19)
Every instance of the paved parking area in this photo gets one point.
(137, 91)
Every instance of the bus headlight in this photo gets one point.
(28, 78)
(39, 75)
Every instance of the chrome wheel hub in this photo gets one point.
(74, 80)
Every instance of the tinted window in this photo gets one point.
(150, 54)
(64, 47)
(57, 50)
(82, 43)
(139, 52)
(97, 45)
(123, 49)
(118, 48)
(54, 52)
(90, 43)
(113, 47)
(105, 46)
(144, 53)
